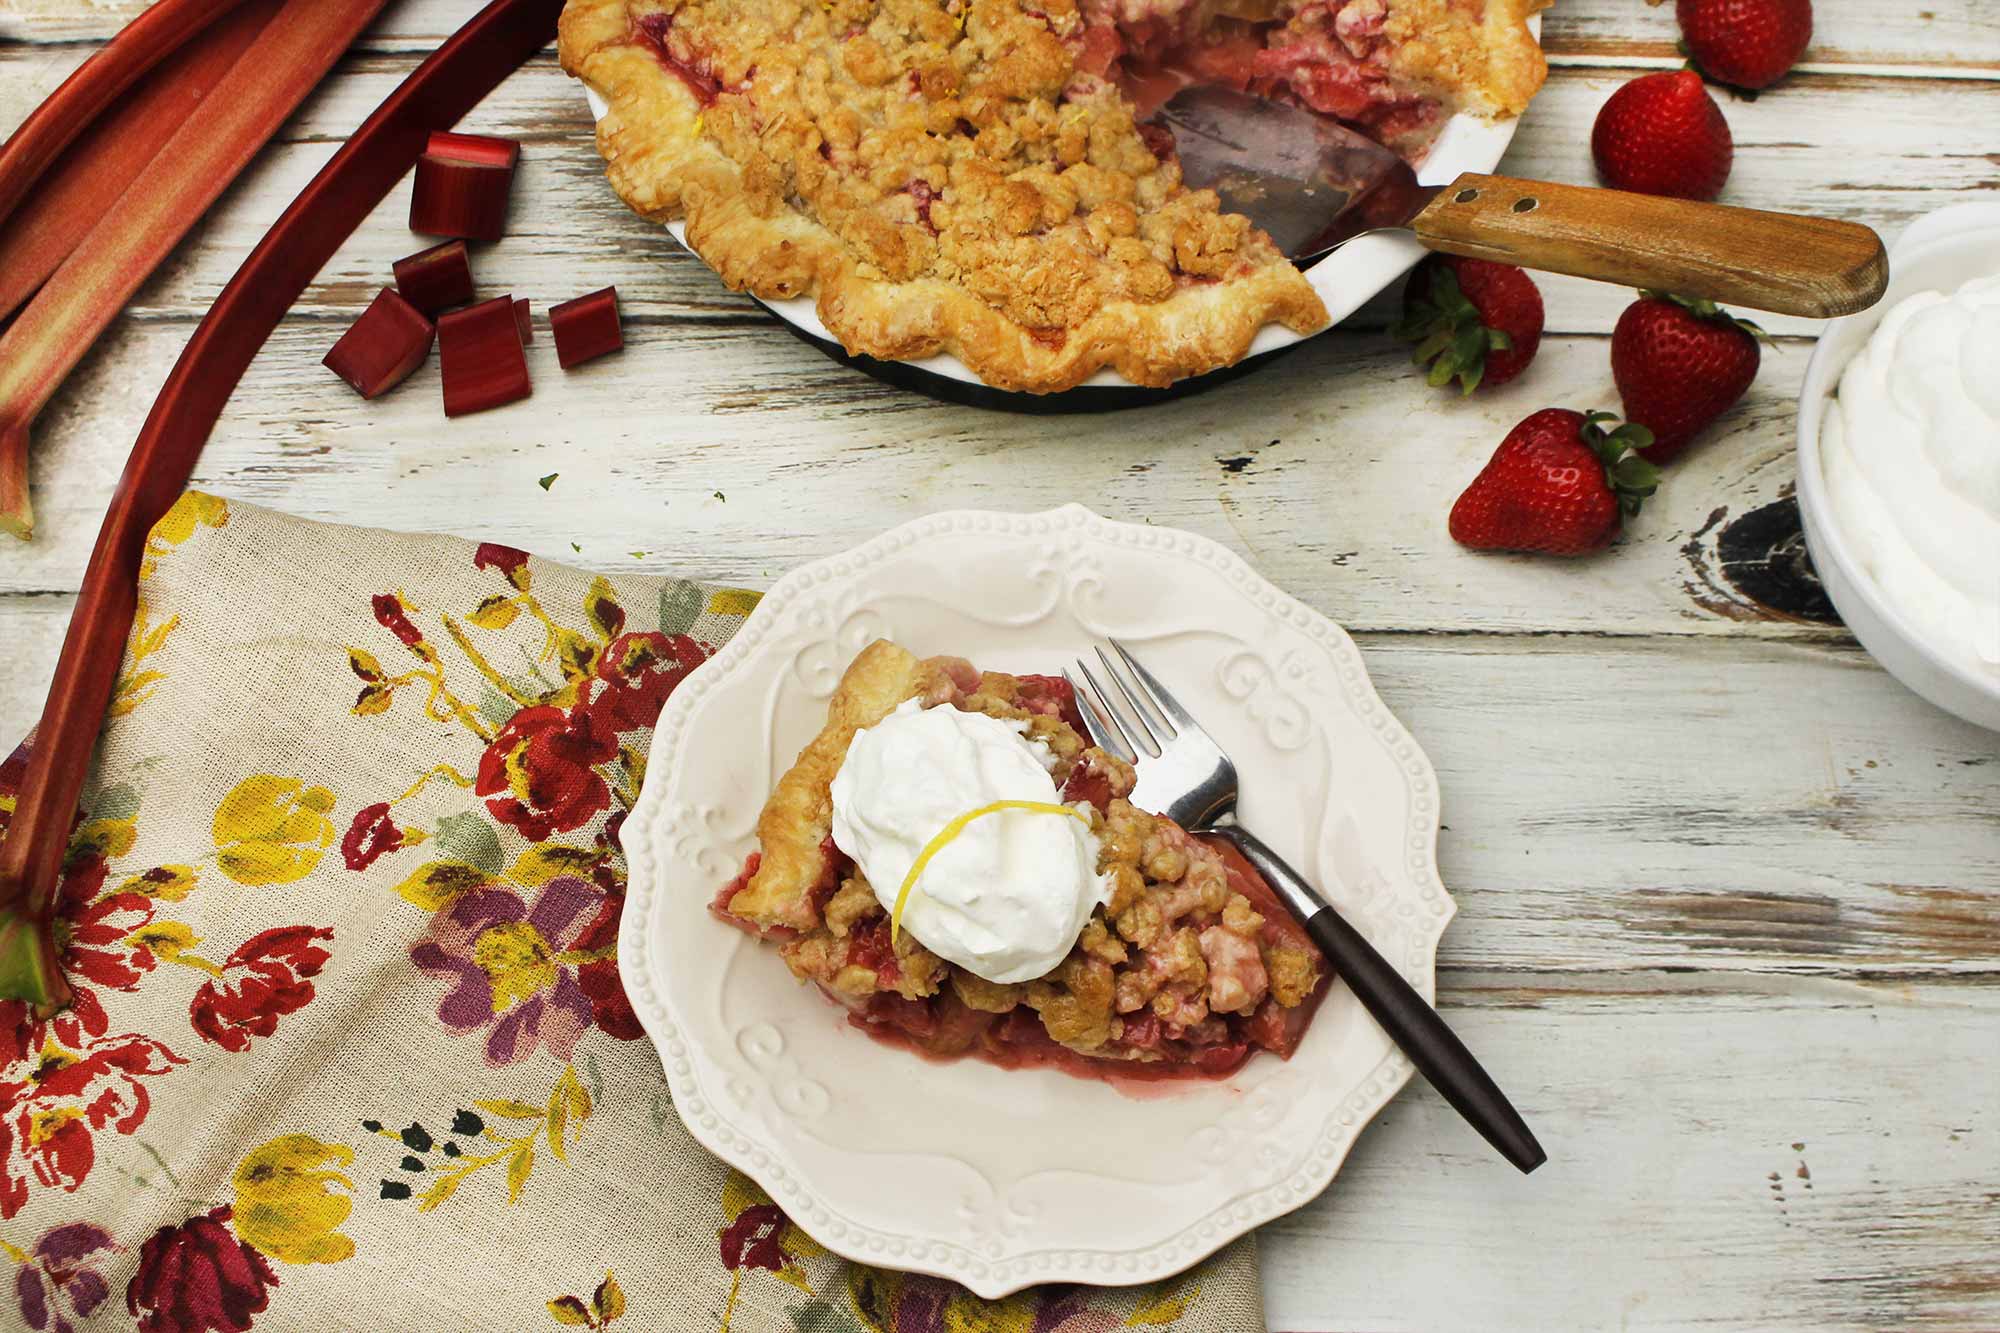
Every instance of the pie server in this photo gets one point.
(1314, 185)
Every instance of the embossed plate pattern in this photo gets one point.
(1001, 1179)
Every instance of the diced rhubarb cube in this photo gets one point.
(525, 318)
(586, 328)
(458, 198)
(484, 148)
(436, 279)
(482, 361)
(380, 349)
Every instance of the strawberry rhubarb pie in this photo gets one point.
(989, 177)
(952, 862)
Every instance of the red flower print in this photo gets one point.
(609, 1008)
(637, 672)
(751, 1241)
(509, 561)
(392, 616)
(58, 1278)
(49, 1117)
(372, 835)
(265, 979)
(545, 761)
(199, 1278)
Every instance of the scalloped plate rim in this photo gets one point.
(640, 932)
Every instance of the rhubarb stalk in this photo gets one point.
(96, 84)
(467, 67)
(290, 56)
(102, 160)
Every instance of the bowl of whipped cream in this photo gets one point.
(1899, 464)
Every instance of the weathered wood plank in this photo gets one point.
(1871, 32)
(31, 632)
(1807, 1155)
(1315, 467)
(571, 234)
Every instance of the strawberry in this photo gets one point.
(1663, 134)
(1472, 320)
(1558, 483)
(1746, 43)
(1679, 365)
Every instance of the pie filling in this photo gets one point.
(1191, 966)
(1327, 56)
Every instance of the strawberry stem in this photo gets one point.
(1630, 477)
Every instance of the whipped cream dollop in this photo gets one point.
(1007, 897)
(1911, 452)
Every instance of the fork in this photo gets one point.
(1184, 775)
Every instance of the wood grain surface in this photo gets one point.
(1730, 897)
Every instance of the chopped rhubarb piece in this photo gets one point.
(524, 318)
(379, 351)
(480, 354)
(454, 197)
(436, 279)
(480, 148)
(587, 327)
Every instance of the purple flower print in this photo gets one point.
(512, 968)
(58, 1280)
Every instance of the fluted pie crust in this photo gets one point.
(967, 176)
(1189, 967)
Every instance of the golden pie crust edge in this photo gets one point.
(798, 815)
(660, 163)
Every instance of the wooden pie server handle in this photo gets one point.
(1815, 267)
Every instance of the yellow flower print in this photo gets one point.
(285, 1203)
(136, 686)
(733, 601)
(606, 1304)
(191, 511)
(272, 830)
(106, 838)
(168, 883)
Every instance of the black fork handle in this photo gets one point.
(1410, 1022)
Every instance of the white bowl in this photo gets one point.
(1345, 279)
(1938, 253)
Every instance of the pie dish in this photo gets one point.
(979, 177)
(1003, 1178)
(1190, 966)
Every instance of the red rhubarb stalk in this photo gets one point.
(103, 159)
(380, 349)
(436, 279)
(480, 359)
(587, 327)
(467, 67)
(97, 83)
(290, 56)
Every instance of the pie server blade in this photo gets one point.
(1313, 184)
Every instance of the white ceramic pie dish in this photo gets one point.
(1344, 280)
(1000, 1179)
(1939, 252)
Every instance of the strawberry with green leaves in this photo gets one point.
(1560, 484)
(1679, 364)
(1472, 320)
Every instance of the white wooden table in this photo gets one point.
(1730, 926)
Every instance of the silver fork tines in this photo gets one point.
(1184, 774)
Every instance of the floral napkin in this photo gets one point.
(349, 1048)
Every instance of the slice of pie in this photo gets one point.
(984, 177)
(1191, 964)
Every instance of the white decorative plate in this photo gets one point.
(1001, 1179)
(1344, 280)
